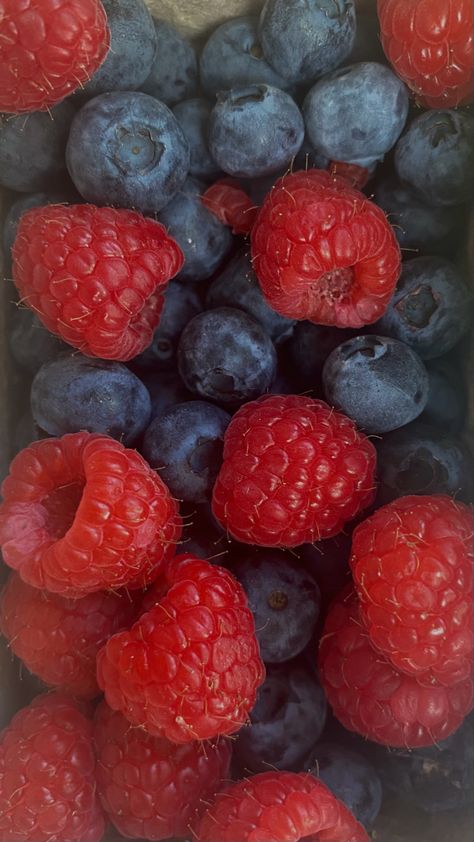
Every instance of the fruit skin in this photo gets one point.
(412, 566)
(338, 269)
(193, 116)
(83, 513)
(174, 72)
(294, 471)
(67, 42)
(278, 805)
(95, 276)
(47, 775)
(189, 668)
(181, 303)
(369, 696)
(430, 46)
(151, 788)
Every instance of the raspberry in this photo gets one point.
(48, 49)
(95, 276)
(231, 205)
(189, 668)
(369, 696)
(57, 638)
(429, 44)
(82, 513)
(412, 565)
(324, 252)
(294, 471)
(47, 775)
(151, 788)
(277, 806)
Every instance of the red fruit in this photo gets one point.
(83, 513)
(95, 276)
(369, 696)
(412, 566)
(429, 44)
(294, 471)
(47, 775)
(231, 205)
(189, 668)
(324, 252)
(279, 807)
(151, 788)
(48, 48)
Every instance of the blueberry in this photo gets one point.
(193, 116)
(378, 381)
(165, 388)
(304, 39)
(435, 157)
(328, 563)
(224, 355)
(127, 149)
(351, 777)
(181, 304)
(204, 240)
(447, 400)
(75, 393)
(255, 130)
(185, 445)
(174, 72)
(357, 113)
(31, 344)
(308, 349)
(287, 719)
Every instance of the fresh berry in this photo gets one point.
(369, 696)
(294, 471)
(30, 343)
(308, 349)
(174, 72)
(47, 775)
(334, 267)
(151, 788)
(189, 668)
(430, 46)
(57, 638)
(412, 566)
(82, 513)
(95, 276)
(193, 116)
(25, 203)
(181, 303)
(446, 407)
(47, 50)
(230, 203)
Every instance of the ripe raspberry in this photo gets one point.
(277, 806)
(47, 775)
(95, 276)
(151, 788)
(48, 49)
(82, 513)
(430, 46)
(231, 205)
(294, 471)
(373, 699)
(189, 668)
(412, 566)
(57, 638)
(324, 252)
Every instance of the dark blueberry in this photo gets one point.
(174, 73)
(308, 349)
(31, 344)
(284, 599)
(378, 381)
(226, 356)
(181, 304)
(328, 563)
(204, 240)
(75, 393)
(447, 400)
(435, 156)
(351, 777)
(237, 286)
(185, 445)
(255, 130)
(127, 149)
(193, 116)
(305, 40)
(165, 388)
(287, 719)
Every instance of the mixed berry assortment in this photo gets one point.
(238, 515)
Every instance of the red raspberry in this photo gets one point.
(412, 566)
(95, 276)
(324, 252)
(48, 48)
(151, 788)
(294, 471)
(189, 668)
(279, 807)
(430, 46)
(231, 205)
(369, 696)
(47, 775)
(83, 513)
(57, 638)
